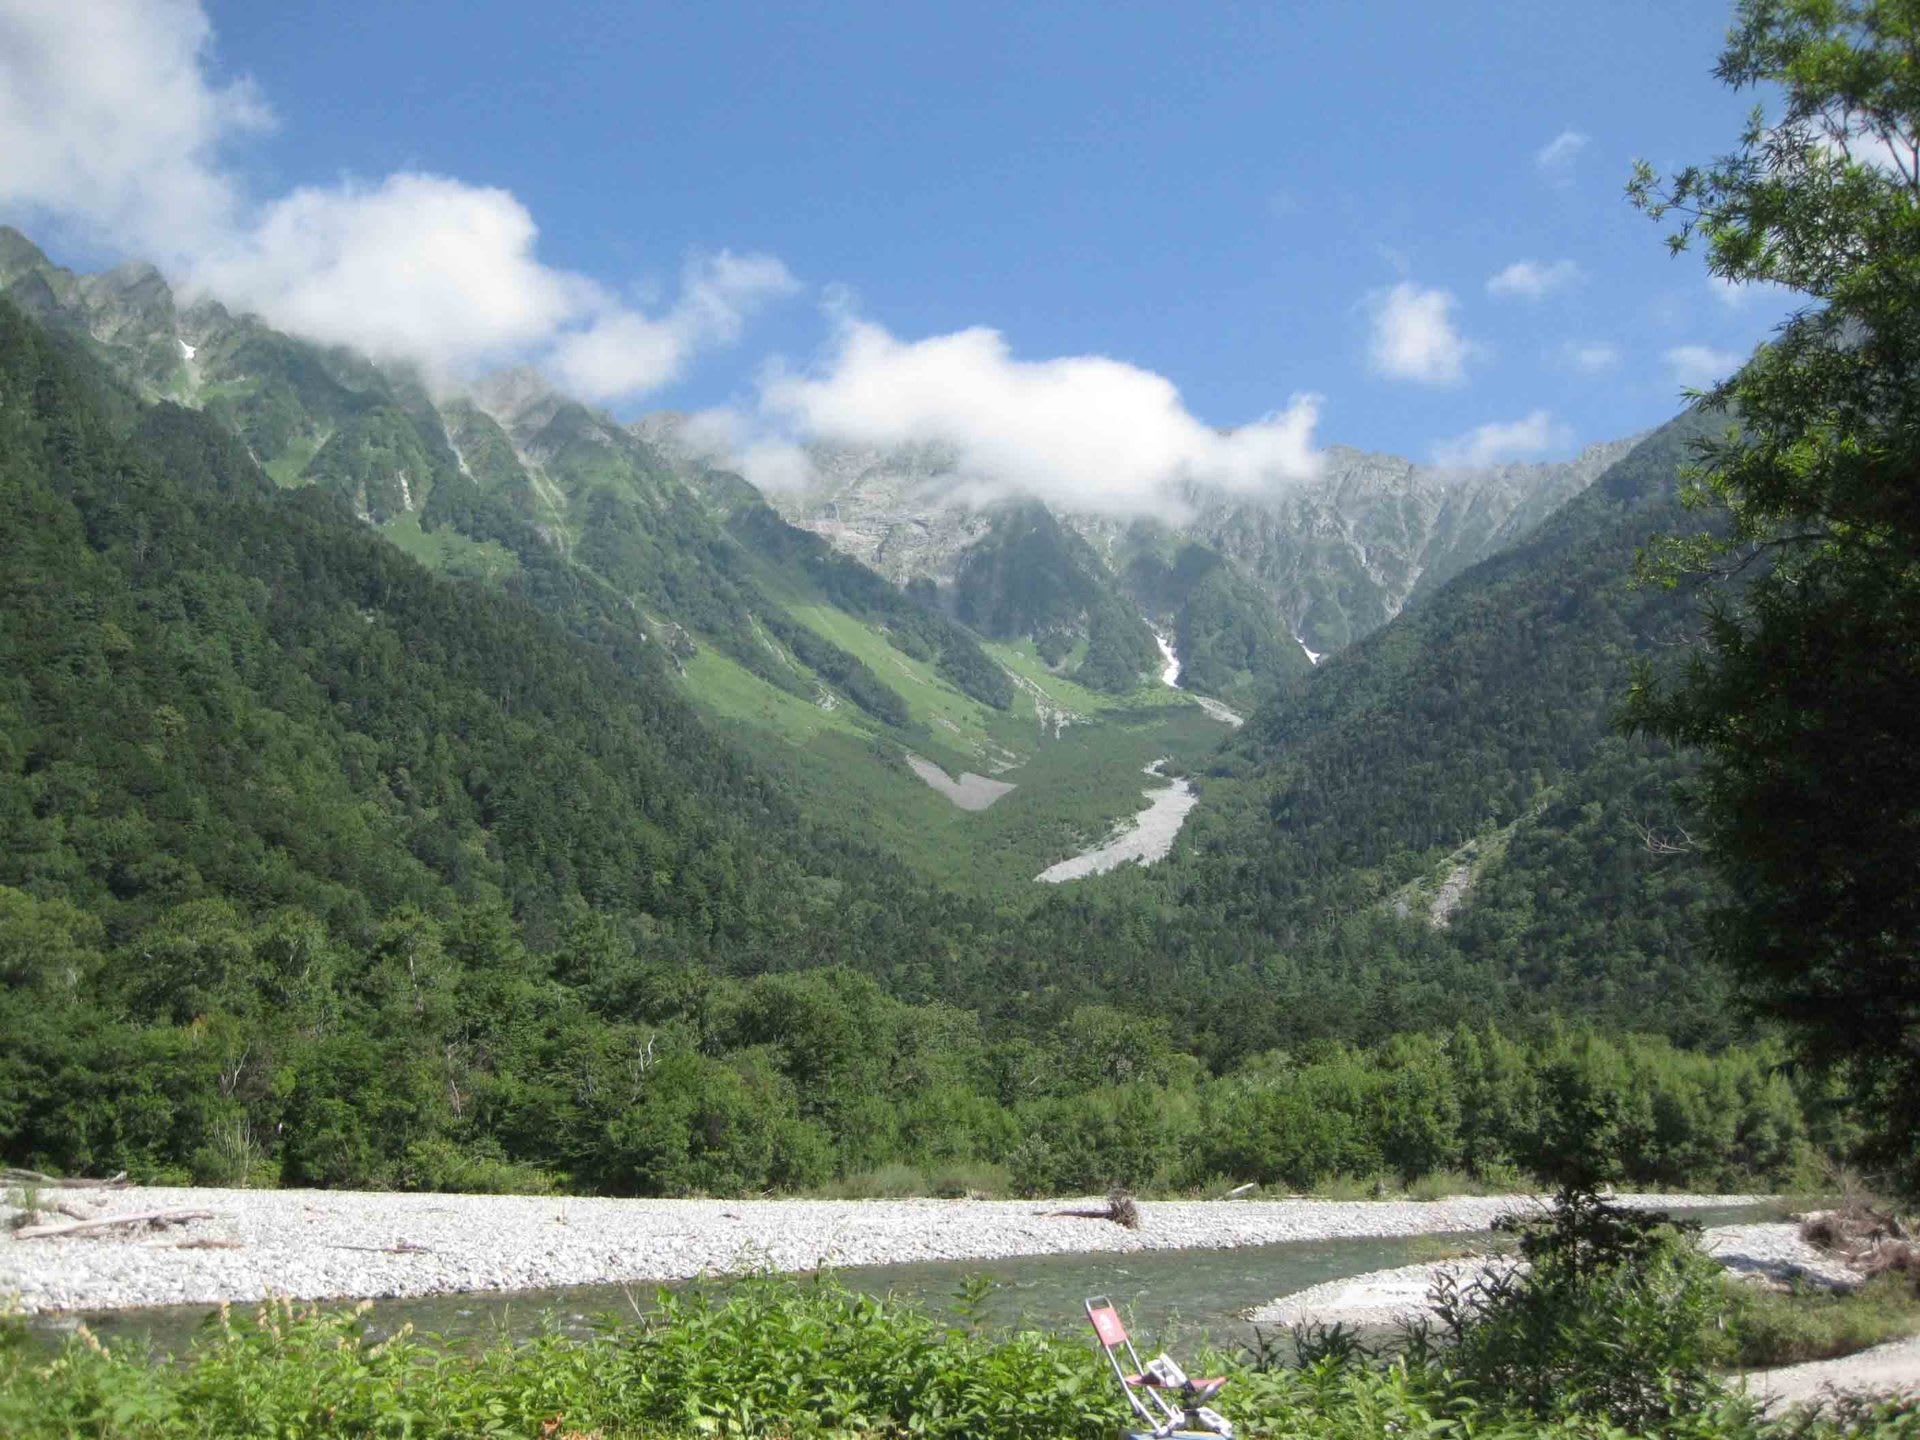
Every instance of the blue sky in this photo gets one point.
(1252, 204)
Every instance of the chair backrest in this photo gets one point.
(1106, 1322)
(1113, 1339)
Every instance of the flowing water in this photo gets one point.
(1170, 670)
(1172, 1298)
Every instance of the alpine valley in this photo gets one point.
(404, 773)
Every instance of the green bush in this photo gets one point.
(773, 1357)
(884, 1182)
(1609, 1314)
(478, 1168)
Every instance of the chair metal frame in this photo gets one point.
(1111, 1332)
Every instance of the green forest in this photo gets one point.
(321, 869)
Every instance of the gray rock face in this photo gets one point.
(1338, 556)
(1343, 554)
(520, 399)
(891, 510)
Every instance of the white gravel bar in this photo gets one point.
(335, 1244)
(1382, 1298)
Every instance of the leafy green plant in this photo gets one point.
(767, 1357)
(1608, 1313)
(24, 1202)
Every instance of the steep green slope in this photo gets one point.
(917, 629)
(834, 677)
(1223, 627)
(1031, 578)
(1470, 705)
(215, 689)
(314, 415)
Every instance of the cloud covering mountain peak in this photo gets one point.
(1085, 432)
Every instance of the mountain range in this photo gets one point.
(1334, 557)
(465, 747)
(923, 639)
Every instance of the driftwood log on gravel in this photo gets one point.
(109, 1222)
(53, 1182)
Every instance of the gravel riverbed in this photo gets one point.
(332, 1244)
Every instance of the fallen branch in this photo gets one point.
(405, 1247)
(55, 1182)
(110, 1222)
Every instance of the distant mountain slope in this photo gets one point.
(1344, 554)
(1467, 707)
(1030, 578)
(1219, 622)
(526, 739)
(472, 488)
(1334, 557)
(838, 681)
(1468, 746)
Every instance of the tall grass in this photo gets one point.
(951, 1179)
(1767, 1327)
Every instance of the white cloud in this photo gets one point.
(109, 121)
(623, 352)
(1530, 279)
(1556, 158)
(1592, 356)
(1084, 432)
(1503, 440)
(416, 267)
(1698, 366)
(1413, 336)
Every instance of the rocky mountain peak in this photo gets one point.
(519, 399)
(1337, 555)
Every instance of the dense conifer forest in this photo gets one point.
(321, 868)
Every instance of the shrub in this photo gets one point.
(476, 1168)
(1766, 1327)
(801, 1360)
(1609, 1315)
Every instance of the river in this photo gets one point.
(1172, 1297)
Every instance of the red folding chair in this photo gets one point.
(1159, 1383)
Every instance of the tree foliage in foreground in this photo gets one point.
(1803, 701)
